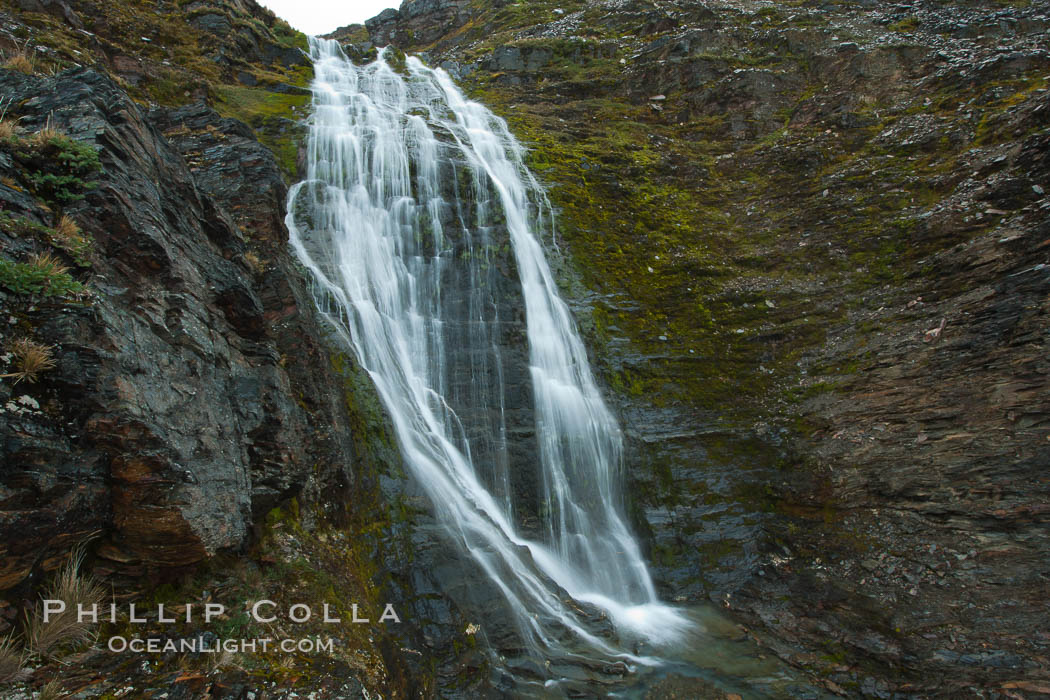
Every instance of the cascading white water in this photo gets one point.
(410, 187)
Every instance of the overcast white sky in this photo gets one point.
(322, 16)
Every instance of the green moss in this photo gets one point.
(906, 25)
(289, 515)
(368, 421)
(251, 104)
(396, 59)
(998, 99)
(290, 38)
(273, 115)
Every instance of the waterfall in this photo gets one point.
(412, 192)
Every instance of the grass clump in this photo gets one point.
(67, 235)
(8, 126)
(30, 358)
(67, 228)
(42, 274)
(52, 690)
(11, 659)
(49, 264)
(255, 263)
(42, 138)
(906, 25)
(8, 130)
(64, 629)
(22, 62)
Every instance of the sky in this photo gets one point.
(322, 16)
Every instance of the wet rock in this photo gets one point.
(214, 23)
(175, 395)
(513, 58)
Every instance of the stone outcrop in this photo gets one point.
(173, 409)
(419, 21)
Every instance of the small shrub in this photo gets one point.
(63, 629)
(56, 165)
(30, 359)
(43, 275)
(11, 659)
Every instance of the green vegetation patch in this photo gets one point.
(42, 275)
(274, 117)
(57, 167)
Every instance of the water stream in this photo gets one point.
(416, 210)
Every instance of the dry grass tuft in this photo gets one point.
(67, 229)
(45, 135)
(52, 691)
(48, 264)
(21, 62)
(255, 262)
(224, 659)
(67, 235)
(63, 629)
(30, 359)
(8, 129)
(11, 659)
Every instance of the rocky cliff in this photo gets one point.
(808, 242)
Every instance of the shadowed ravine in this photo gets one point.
(414, 200)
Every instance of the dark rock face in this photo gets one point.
(230, 166)
(418, 21)
(173, 388)
(512, 58)
(213, 23)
